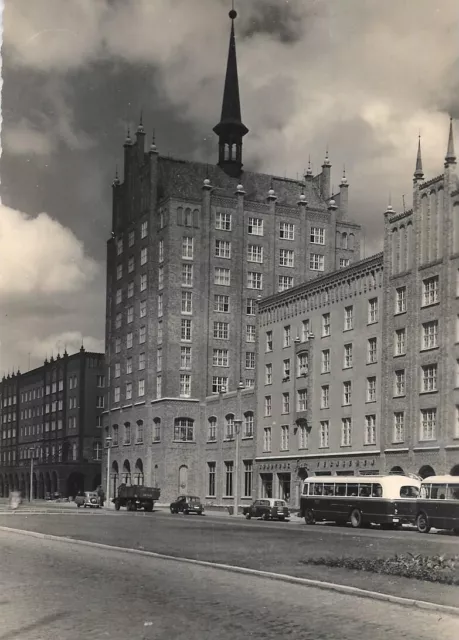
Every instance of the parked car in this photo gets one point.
(88, 499)
(186, 505)
(267, 509)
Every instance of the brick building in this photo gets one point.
(319, 380)
(193, 248)
(51, 423)
(421, 327)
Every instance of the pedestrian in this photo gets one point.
(101, 494)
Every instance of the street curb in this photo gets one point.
(280, 577)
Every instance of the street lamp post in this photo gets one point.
(31, 475)
(237, 429)
(108, 440)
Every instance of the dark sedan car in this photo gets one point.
(268, 509)
(186, 505)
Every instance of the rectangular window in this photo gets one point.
(254, 280)
(344, 262)
(302, 363)
(119, 247)
(285, 282)
(130, 289)
(325, 363)
(255, 226)
(144, 229)
(184, 430)
(255, 253)
(287, 336)
(143, 282)
(220, 358)
(250, 308)
(250, 333)
(219, 384)
(286, 258)
(267, 439)
(128, 390)
(248, 425)
(119, 272)
(325, 397)
(268, 373)
(131, 264)
(142, 334)
(185, 385)
(100, 402)
(186, 330)
(371, 389)
(211, 473)
(372, 310)
(222, 249)
(187, 248)
(346, 432)
(117, 369)
(119, 296)
(128, 365)
(185, 357)
(250, 360)
(229, 471)
(141, 388)
(302, 400)
(248, 478)
(400, 342)
(221, 304)
(144, 255)
(286, 368)
(141, 361)
(116, 394)
(117, 345)
(347, 356)
(428, 424)
(187, 275)
(399, 426)
(223, 221)
(130, 315)
(430, 334)
(284, 437)
(212, 430)
(286, 402)
(221, 330)
(326, 326)
(303, 439)
(118, 320)
(316, 262)
(159, 360)
(129, 340)
(305, 330)
(347, 392)
(348, 318)
(187, 302)
(372, 350)
(370, 429)
(267, 406)
(131, 238)
(159, 332)
(400, 300)
(430, 291)
(286, 231)
(222, 276)
(399, 382)
(161, 251)
(161, 276)
(324, 433)
(159, 385)
(429, 378)
(317, 235)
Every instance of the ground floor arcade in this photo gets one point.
(45, 481)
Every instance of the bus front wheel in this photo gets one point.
(356, 518)
(309, 517)
(422, 523)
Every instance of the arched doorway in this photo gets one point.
(97, 482)
(2, 487)
(115, 476)
(34, 487)
(22, 485)
(41, 486)
(75, 483)
(47, 483)
(138, 472)
(183, 479)
(16, 482)
(127, 472)
(27, 486)
(54, 482)
(397, 471)
(426, 471)
(455, 470)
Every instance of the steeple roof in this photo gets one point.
(418, 172)
(450, 155)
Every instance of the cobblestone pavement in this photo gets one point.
(59, 591)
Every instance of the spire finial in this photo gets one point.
(418, 173)
(116, 179)
(327, 159)
(140, 128)
(344, 179)
(450, 157)
(153, 143)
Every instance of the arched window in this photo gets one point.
(409, 245)
(229, 430)
(212, 430)
(402, 249)
(127, 472)
(139, 432)
(188, 218)
(97, 451)
(248, 424)
(138, 472)
(424, 229)
(127, 433)
(394, 250)
(433, 225)
(156, 430)
(184, 430)
(115, 437)
(344, 243)
(74, 451)
(426, 471)
(440, 223)
(351, 242)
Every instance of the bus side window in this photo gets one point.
(352, 490)
(453, 492)
(318, 489)
(340, 489)
(328, 490)
(376, 491)
(438, 491)
(425, 491)
(409, 492)
(364, 490)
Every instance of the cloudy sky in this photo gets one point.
(361, 76)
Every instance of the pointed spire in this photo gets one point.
(153, 148)
(128, 140)
(343, 182)
(230, 129)
(116, 179)
(309, 169)
(140, 128)
(327, 159)
(419, 173)
(450, 157)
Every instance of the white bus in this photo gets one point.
(389, 501)
(438, 504)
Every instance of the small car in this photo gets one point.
(267, 509)
(88, 499)
(187, 504)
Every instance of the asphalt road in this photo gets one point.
(59, 591)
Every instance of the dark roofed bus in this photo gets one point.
(438, 504)
(389, 501)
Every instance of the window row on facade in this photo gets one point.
(227, 479)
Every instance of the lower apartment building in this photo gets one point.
(51, 427)
(319, 380)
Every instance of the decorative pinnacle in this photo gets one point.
(128, 136)
(140, 128)
(116, 180)
(343, 182)
(153, 148)
(309, 169)
(327, 159)
(419, 173)
(450, 157)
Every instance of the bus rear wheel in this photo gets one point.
(422, 523)
(356, 518)
(309, 517)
